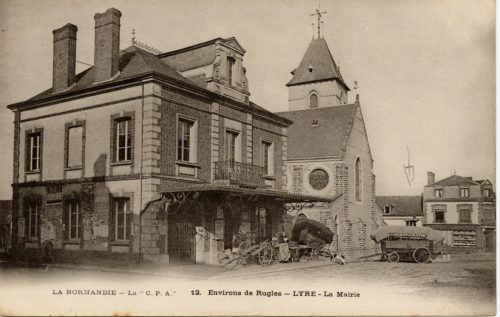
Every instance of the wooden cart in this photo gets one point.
(407, 243)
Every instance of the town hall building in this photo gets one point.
(150, 155)
(328, 151)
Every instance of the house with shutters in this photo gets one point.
(328, 151)
(462, 209)
(149, 155)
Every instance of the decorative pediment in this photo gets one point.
(233, 43)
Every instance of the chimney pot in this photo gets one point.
(107, 44)
(64, 57)
(430, 178)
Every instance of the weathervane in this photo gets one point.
(319, 14)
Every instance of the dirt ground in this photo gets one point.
(464, 286)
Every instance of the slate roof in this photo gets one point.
(133, 61)
(318, 57)
(136, 62)
(454, 180)
(197, 55)
(328, 138)
(402, 205)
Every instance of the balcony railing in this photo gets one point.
(240, 173)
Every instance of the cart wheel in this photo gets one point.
(421, 255)
(266, 255)
(393, 257)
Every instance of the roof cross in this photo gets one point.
(319, 13)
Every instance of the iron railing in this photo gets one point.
(240, 173)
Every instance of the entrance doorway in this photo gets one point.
(181, 240)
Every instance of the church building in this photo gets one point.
(329, 153)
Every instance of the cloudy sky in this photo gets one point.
(425, 68)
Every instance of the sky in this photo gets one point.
(425, 68)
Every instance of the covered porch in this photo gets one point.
(191, 225)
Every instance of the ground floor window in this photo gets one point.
(33, 211)
(122, 219)
(464, 238)
(73, 219)
(261, 222)
(411, 223)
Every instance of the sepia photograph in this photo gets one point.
(248, 158)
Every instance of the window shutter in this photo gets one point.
(111, 225)
(39, 218)
(27, 153)
(80, 219)
(26, 217)
(114, 135)
(131, 130)
(66, 221)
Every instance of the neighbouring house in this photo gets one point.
(462, 209)
(401, 210)
(5, 224)
(160, 155)
(328, 151)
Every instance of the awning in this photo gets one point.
(294, 201)
(280, 195)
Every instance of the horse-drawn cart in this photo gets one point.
(407, 243)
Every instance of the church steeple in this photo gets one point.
(317, 65)
(317, 81)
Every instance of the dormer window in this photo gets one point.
(313, 101)
(230, 70)
(464, 192)
(315, 123)
(387, 210)
(486, 192)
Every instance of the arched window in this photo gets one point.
(313, 101)
(358, 179)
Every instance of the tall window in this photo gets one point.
(464, 214)
(230, 69)
(464, 192)
(438, 192)
(358, 180)
(73, 219)
(33, 220)
(123, 140)
(266, 157)
(184, 140)
(486, 192)
(231, 145)
(33, 151)
(122, 219)
(313, 101)
(261, 222)
(74, 149)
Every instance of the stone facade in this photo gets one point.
(343, 167)
(114, 201)
(463, 210)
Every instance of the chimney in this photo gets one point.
(430, 178)
(63, 72)
(107, 44)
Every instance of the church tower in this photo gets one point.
(317, 81)
(328, 152)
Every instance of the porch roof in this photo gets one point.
(281, 195)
